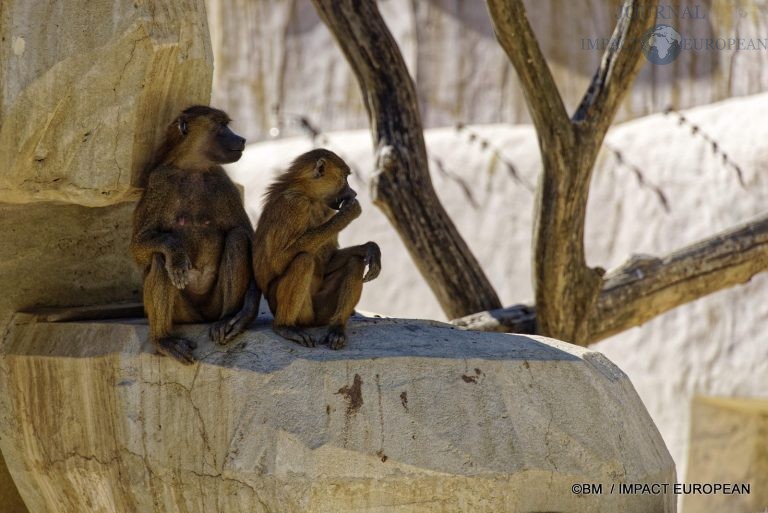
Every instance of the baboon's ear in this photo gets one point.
(320, 168)
(181, 122)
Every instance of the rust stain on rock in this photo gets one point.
(353, 395)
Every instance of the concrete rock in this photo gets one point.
(65, 255)
(414, 416)
(88, 87)
(54, 254)
(728, 446)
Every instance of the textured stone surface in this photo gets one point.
(65, 255)
(55, 254)
(414, 416)
(714, 346)
(87, 88)
(277, 53)
(9, 495)
(729, 444)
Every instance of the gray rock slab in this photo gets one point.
(414, 416)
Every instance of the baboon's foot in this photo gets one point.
(336, 338)
(297, 335)
(224, 330)
(178, 348)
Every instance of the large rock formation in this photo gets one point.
(414, 416)
(88, 87)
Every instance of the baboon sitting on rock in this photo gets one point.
(192, 237)
(306, 278)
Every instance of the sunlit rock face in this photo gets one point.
(413, 416)
(88, 88)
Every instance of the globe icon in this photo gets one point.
(662, 44)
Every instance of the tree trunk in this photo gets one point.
(565, 288)
(401, 187)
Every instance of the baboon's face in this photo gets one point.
(331, 183)
(205, 131)
(224, 146)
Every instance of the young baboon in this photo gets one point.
(306, 278)
(192, 237)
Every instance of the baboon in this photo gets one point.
(306, 278)
(192, 237)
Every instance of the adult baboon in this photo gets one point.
(306, 278)
(192, 237)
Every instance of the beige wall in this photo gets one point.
(272, 53)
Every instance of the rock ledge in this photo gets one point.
(415, 416)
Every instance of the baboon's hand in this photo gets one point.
(373, 261)
(178, 269)
(220, 330)
(350, 209)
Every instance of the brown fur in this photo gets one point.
(306, 278)
(192, 237)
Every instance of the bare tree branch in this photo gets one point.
(620, 64)
(516, 37)
(644, 287)
(513, 319)
(402, 187)
(647, 286)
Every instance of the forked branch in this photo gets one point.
(619, 65)
(565, 287)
